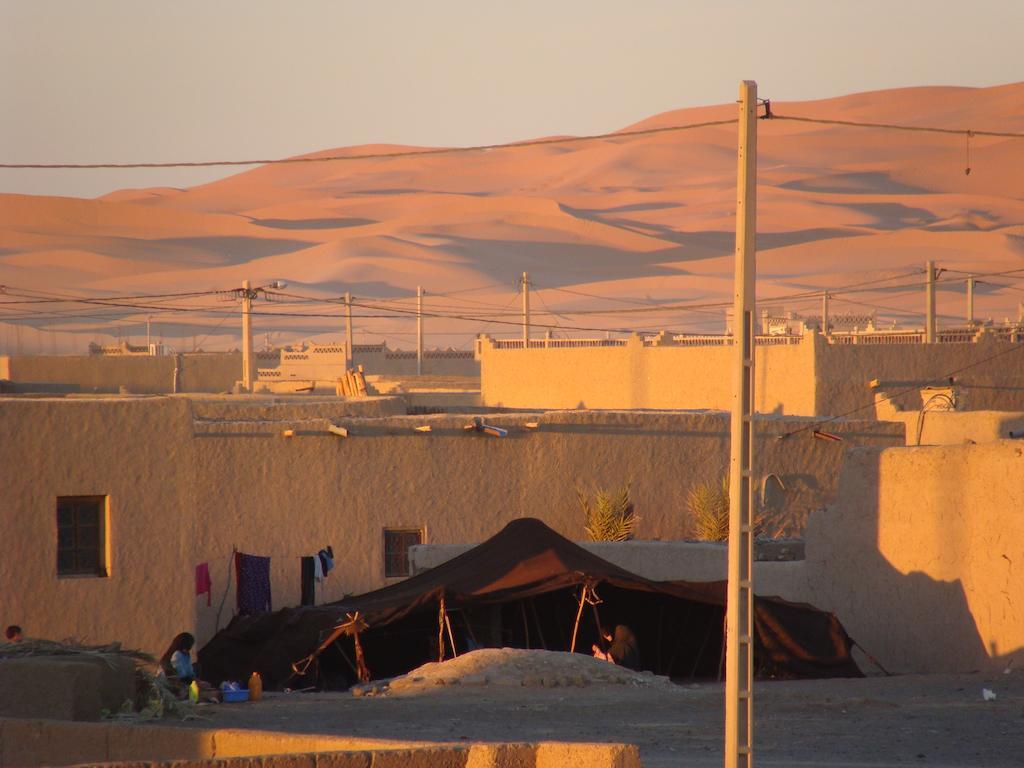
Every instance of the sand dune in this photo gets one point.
(630, 222)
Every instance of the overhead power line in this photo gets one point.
(896, 127)
(378, 155)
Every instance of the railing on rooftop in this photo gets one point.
(556, 343)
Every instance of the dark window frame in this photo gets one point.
(396, 550)
(82, 537)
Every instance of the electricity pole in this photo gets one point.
(247, 294)
(739, 659)
(526, 310)
(824, 314)
(419, 330)
(970, 302)
(349, 353)
(929, 323)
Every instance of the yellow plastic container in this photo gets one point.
(255, 687)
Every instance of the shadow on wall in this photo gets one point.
(909, 622)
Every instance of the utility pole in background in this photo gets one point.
(247, 296)
(526, 310)
(349, 353)
(929, 321)
(970, 301)
(824, 313)
(739, 659)
(419, 330)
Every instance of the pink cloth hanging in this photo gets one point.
(203, 582)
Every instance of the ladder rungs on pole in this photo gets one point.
(744, 583)
(745, 639)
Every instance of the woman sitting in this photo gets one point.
(176, 665)
(176, 662)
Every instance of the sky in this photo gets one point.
(149, 81)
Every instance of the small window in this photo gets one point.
(81, 536)
(396, 549)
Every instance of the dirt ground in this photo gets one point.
(934, 720)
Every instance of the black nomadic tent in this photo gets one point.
(525, 587)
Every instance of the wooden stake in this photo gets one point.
(448, 624)
(440, 632)
(536, 620)
(579, 613)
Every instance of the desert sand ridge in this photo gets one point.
(645, 219)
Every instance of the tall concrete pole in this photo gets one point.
(970, 302)
(739, 658)
(349, 351)
(824, 313)
(149, 339)
(247, 294)
(419, 330)
(526, 310)
(929, 321)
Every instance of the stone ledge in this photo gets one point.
(29, 743)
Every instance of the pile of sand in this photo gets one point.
(511, 667)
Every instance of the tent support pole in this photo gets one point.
(597, 623)
(536, 620)
(579, 613)
(700, 653)
(526, 624)
(469, 627)
(440, 631)
(344, 655)
(661, 625)
(725, 634)
(451, 638)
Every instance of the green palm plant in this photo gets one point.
(611, 516)
(708, 503)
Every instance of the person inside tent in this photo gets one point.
(622, 649)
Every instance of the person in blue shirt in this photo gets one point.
(177, 659)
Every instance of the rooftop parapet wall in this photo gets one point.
(139, 374)
(989, 373)
(810, 375)
(663, 372)
(326, 362)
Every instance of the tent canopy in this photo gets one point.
(521, 588)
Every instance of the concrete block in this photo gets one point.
(39, 742)
(502, 756)
(154, 742)
(50, 688)
(570, 755)
(344, 760)
(117, 679)
(240, 742)
(423, 757)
